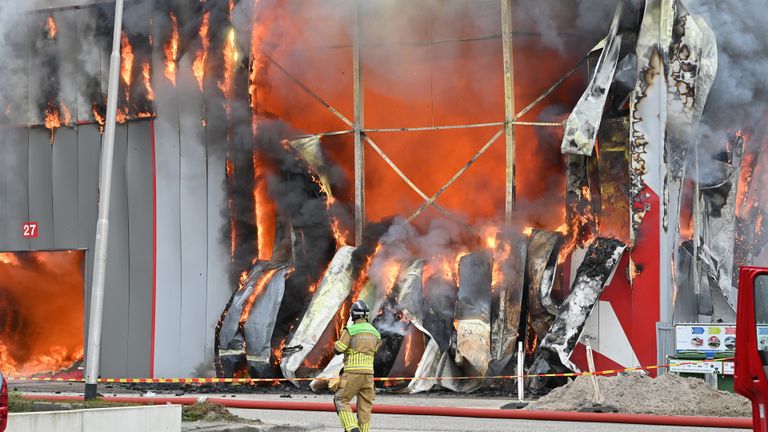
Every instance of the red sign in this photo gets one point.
(29, 230)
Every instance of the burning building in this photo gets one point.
(278, 160)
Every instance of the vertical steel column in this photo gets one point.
(357, 76)
(509, 108)
(93, 354)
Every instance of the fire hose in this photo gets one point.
(440, 411)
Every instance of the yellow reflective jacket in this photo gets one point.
(359, 343)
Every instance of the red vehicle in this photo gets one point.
(3, 402)
(752, 343)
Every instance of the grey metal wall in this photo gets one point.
(192, 261)
(56, 185)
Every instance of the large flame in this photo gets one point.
(264, 209)
(230, 64)
(48, 335)
(171, 50)
(201, 56)
(146, 74)
(126, 61)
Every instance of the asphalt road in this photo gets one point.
(328, 422)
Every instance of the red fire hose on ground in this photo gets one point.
(689, 421)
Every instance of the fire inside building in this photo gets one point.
(476, 182)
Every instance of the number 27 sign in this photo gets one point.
(29, 230)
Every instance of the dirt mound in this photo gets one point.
(641, 394)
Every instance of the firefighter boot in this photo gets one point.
(365, 427)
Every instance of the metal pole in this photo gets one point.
(597, 397)
(102, 226)
(359, 124)
(509, 107)
(520, 364)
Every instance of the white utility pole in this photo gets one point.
(102, 227)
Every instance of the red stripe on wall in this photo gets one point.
(154, 251)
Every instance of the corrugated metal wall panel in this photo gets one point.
(88, 159)
(168, 297)
(217, 285)
(65, 190)
(114, 343)
(194, 221)
(17, 159)
(41, 187)
(139, 174)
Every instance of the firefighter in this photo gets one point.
(358, 343)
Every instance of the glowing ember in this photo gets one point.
(230, 63)
(257, 290)
(50, 27)
(201, 57)
(171, 50)
(146, 73)
(126, 61)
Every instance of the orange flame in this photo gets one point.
(9, 258)
(201, 57)
(126, 63)
(7, 363)
(50, 27)
(230, 63)
(171, 50)
(146, 73)
(121, 116)
(257, 290)
(98, 118)
(264, 209)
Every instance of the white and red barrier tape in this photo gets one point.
(273, 380)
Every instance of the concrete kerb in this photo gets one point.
(158, 418)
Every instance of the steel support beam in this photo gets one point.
(359, 124)
(509, 108)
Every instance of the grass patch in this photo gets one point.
(17, 404)
(211, 412)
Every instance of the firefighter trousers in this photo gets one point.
(354, 385)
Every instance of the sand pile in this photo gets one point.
(641, 394)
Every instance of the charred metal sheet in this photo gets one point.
(230, 342)
(507, 299)
(599, 264)
(718, 202)
(428, 368)
(473, 317)
(439, 309)
(648, 119)
(690, 68)
(583, 123)
(260, 324)
(312, 152)
(613, 172)
(410, 298)
(393, 325)
(333, 289)
(578, 197)
(543, 248)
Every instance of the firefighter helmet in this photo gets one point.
(359, 310)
